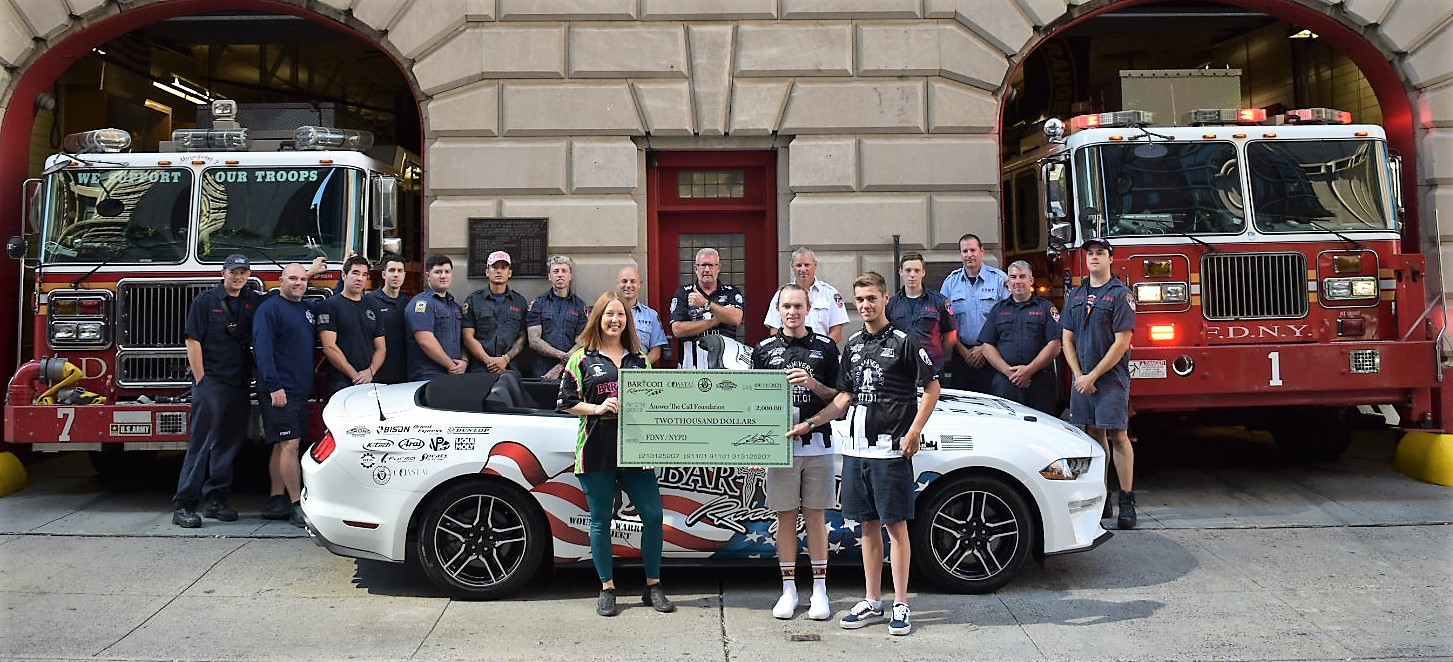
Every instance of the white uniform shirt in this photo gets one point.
(828, 309)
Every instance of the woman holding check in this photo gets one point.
(590, 389)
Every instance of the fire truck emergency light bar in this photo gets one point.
(1119, 118)
(1217, 116)
(98, 141)
(327, 137)
(1318, 116)
(221, 140)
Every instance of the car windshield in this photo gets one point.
(116, 215)
(1311, 185)
(1159, 188)
(279, 213)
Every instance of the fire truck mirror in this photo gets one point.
(1054, 191)
(30, 193)
(16, 248)
(1395, 166)
(385, 203)
(1059, 235)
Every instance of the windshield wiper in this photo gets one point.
(76, 284)
(1210, 248)
(1341, 236)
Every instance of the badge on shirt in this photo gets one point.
(369, 314)
(421, 306)
(837, 297)
(323, 318)
(1054, 312)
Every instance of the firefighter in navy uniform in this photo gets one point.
(1021, 338)
(219, 353)
(1098, 323)
(811, 362)
(435, 324)
(389, 302)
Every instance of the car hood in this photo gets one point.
(963, 416)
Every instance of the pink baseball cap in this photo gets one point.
(499, 256)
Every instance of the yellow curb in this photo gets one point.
(12, 474)
(1426, 456)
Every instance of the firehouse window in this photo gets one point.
(278, 214)
(1309, 186)
(711, 184)
(1155, 188)
(1026, 216)
(136, 215)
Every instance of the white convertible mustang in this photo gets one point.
(470, 477)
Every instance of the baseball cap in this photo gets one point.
(499, 256)
(236, 261)
(1102, 242)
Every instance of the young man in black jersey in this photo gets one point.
(350, 331)
(878, 382)
(810, 360)
(389, 301)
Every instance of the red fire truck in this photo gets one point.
(118, 244)
(1265, 255)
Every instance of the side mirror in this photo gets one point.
(30, 193)
(1395, 166)
(385, 207)
(393, 245)
(1054, 191)
(16, 248)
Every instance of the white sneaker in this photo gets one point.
(820, 609)
(863, 613)
(786, 606)
(902, 622)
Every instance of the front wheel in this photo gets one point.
(973, 535)
(1315, 434)
(481, 540)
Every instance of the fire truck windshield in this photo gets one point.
(116, 215)
(1320, 185)
(280, 213)
(1159, 188)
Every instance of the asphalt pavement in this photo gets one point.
(1241, 555)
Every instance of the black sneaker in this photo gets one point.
(605, 605)
(296, 519)
(219, 510)
(1108, 511)
(655, 596)
(277, 507)
(1127, 511)
(186, 517)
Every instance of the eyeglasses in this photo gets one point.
(709, 265)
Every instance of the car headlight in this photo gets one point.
(89, 331)
(63, 331)
(1341, 289)
(1160, 293)
(1066, 468)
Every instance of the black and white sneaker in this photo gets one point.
(901, 623)
(862, 614)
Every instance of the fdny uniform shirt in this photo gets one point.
(561, 319)
(724, 295)
(1019, 330)
(1095, 315)
(883, 372)
(390, 311)
(496, 320)
(971, 298)
(926, 318)
(828, 308)
(439, 313)
(818, 355)
(225, 358)
(648, 327)
(357, 324)
(590, 376)
(282, 342)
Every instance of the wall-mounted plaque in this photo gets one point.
(525, 239)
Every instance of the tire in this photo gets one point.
(1316, 434)
(480, 540)
(973, 535)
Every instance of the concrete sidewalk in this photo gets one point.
(1241, 557)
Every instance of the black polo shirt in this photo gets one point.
(497, 320)
(226, 357)
(723, 295)
(815, 353)
(883, 372)
(590, 376)
(356, 324)
(390, 312)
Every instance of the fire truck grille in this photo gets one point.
(153, 314)
(155, 369)
(171, 422)
(1242, 286)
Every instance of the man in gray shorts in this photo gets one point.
(810, 360)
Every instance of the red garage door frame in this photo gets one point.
(40, 75)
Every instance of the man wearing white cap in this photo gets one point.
(494, 318)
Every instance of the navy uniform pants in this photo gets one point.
(219, 421)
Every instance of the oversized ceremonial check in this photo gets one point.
(705, 418)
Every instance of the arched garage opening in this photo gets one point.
(148, 70)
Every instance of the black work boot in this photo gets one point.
(1109, 510)
(218, 509)
(1127, 510)
(186, 517)
(655, 596)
